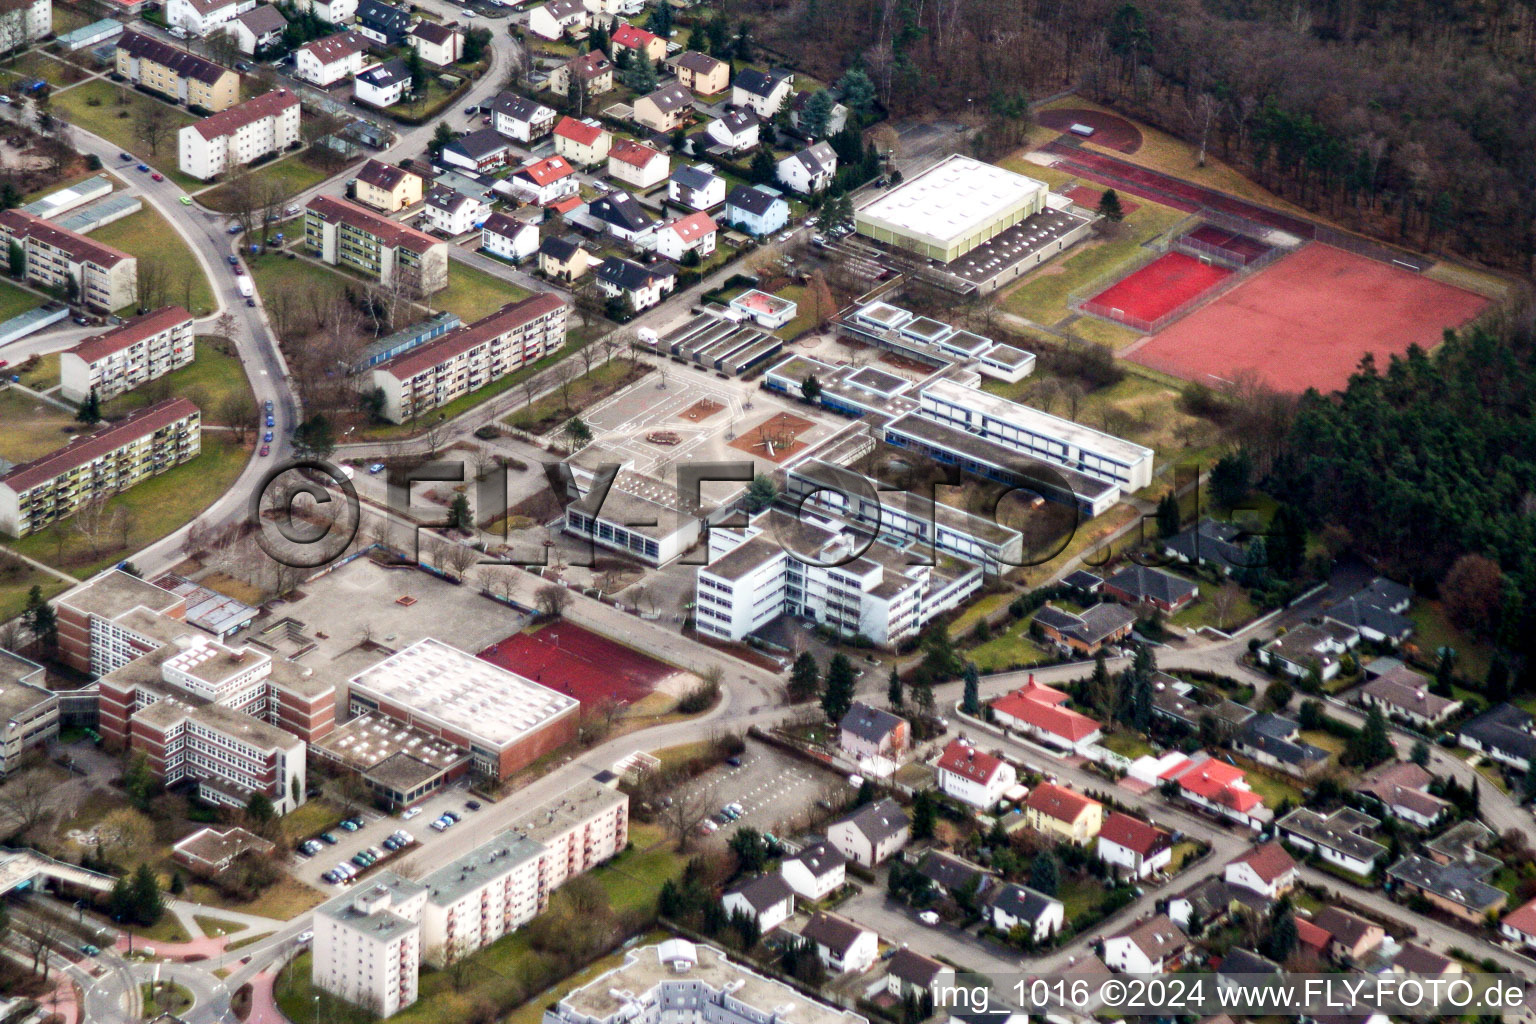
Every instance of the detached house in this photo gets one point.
(757, 210)
(1275, 742)
(583, 143)
(700, 72)
(867, 732)
(1060, 812)
(816, 872)
(845, 947)
(735, 131)
(698, 187)
(644, 287)
(383, 23)
(1137, 848)
(1519, 925)
(1155, 946)
(512, 239)
(665, 109)
(637, 165)
(563, 259)
(326, 61)
(1267, 870)
(257, 29)
(1376, 611)
(1403, 693)
(638, 41)
(621, 215)
(200, 17)
(912, 974)
(1141, 585)
(767, 899)
(1010, 906)
(383, 85)
(1039, 712)
(1309, 647)
(387, 187)
(1210, 542)
(554, 19)
(1222, 789)
(591, 74)
(1098, 625)
(763, 91)
(872, 833)
(520, 118)
(973, 776)
(1403, 790)
(439, 45)
(837, 118)
(545, 181)
(483, 150)
(453, 213)
(1350, 937)
(809, 171)
(693, 233)
(1505, 733)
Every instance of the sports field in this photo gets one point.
(563, 656)
(1166, 284)
(1307, 319)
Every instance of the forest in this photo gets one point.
(1407, 119)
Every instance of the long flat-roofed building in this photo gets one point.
(341, 232)
(467, 359)
(29, 711)
(507, 721)
(134, 353)
(259, 127)
(951, 208)
(106, 278)
(99, 628)
(56, 486)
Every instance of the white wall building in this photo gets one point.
(134, 353)
(367, 945)
(767, 899)
(816, 872)
(326, 61)
(25, 22)
(259, 127)
(510, 238)
(809, 171)
(1137, 848)
(200, 17)
(973, 776)
(454, 213)
(871, 834)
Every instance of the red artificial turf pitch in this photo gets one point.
(1088, 198)
(1157, 289)
(1239, 247)
(576, 661)
(1307, 319)
(1109, 131)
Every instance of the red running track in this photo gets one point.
(576, 661)
(1157, 289)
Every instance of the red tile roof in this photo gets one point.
(1059, 802)
(1038, 706)
(579, 132)
(1269, 861)
(632, 37)
(636, 154)
(131, 332)
(693, 227)
(1523, 919)
(20, 224)
(227, 122)
(1132, 833)
(1215, 780)
(964, 760)
(390, 232)
(542, 172)
(565, 205)
(84, 449)
(507, 318)
(1309, 934)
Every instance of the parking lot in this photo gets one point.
(774, 790)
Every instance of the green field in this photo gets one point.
(147, 234)
(212, 376)
(112, 112)
(1202, 611)
(155, 507)
(472, 293)
(31, 428)
(1126, 745)
(294, 174)
(1273, 790)
(17, 580)
(15, 301)
(36, 64)
(275, 273)
(1432, 630)
(43, 375)
(585, 391)
(1008, 649)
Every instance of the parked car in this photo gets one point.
(304, 936)
(452, 816)
(271, 422)
(373, 470)
(734, 762)
(473, 805)
(330, 876)
(125, 158)
(142, 168)
(412, 812)
(928, 918)
(157, 176)
(233, 261)
(327, 838)
(267, 437)
(266, 450)
(349, 825)
(185, 200)
(90, 950)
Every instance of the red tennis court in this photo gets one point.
(576, 661)
(1161, 287)
(1307, 319)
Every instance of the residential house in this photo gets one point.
(328, 60)
(512, 239)
(1504, 733)
(1311, 939)
(621, 215)
(1403, 791)
(1040, 713)
(520, 118)
(1519, 925)
(1246, 970)
(700, 72)
(1350, 937)
(563, 259)
(1141, 585)
(1307, 648)
(439, 45)
(1011, 906)
(697, 188)
(583, 143)
(383, 85)
(872, 833)
(767, 899)
(1222, 789)
(837, 117)
(664, 110)
(591, 74)
(694, 233)
(1134, 846)
(181, 76)
(735, 131)
(257, 29)
(258, 128)
(1459, 888)
(335, 12)
(454, 213)
(1376, 611)
(973, 776)
(845, 947)
(483, 150)
(636, 164)
(387, 187)
(1275, 742)
(643, 287)
(1267, 870)
(1084, 633)
(1084, 582)
(545, 181)
(809, 171)
(950, 874)
(126, 357)
(1211, 902)
(200, 17)
(554, 19)
(614, 9)
(103, 277)
(1404, 694)
(1058, 811)
(757, 210)
(867, 732)
(383, 23)
(638, 41)
(816, 872)
(911, 974)
(762, 91)
(1153, 946)
(1211, 542)
(1414, 961)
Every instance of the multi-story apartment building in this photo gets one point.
(256, 128)
(23, 22)
(184, 77)
(113, 459)
(387, 187)
(329, 60)
(471, 357)
(101, 277)
(138, 351)
(341, 232)
(826, 570)
(29, 711)
(199, 17)
(369, 945)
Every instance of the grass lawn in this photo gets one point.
(1472, 280)
(977, 610)
(230, 947)
(633, 879)
(472, 293)
(1080, 895)
(217, 925)
(1102, 332)
(1202, 611)
(584, 392)
(112, 112)
(146, 234)
(1181, 853)
(1008, 649)
(1493, 774)
(1432, 630)
(275, 273)
(288, 898)
(532, 1012)
(156, 507)
(310, 817)
(43, 375)
(212, 376)
(1272, 789)
(15, 301)
(166, 997)
(31, 428)
(430, 102)
(1050, 175)
(1325, 740)
(167, 929)
(294, 174)
(804, 318)
(1126, 745)
(36, 64)
(1042, 295)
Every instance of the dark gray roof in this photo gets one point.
(950, 872)
(1274, 735)
(1223, 544)
(1020, 901)
(693, 177)
(760, 83)
(868, 723)
(1241, 961)
(914, 968)
(836, 933)
(447, 199)
(879, 820)
(1082, 579)
(1359, 611)
(1143, 583)
(620, 209)
(764, 891)
(816, 158)
(561, 249)
(479, 144)
(821, 857)
(753, 200)
(738, 119)
(1092, 626)
(1504, 728)
(378, 15)
(631, 276)
(262, 19)
(1458, 882)
(387, 74)
(671, 97)
(520, 108)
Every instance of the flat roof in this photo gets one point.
(382, 923)
(19, 691)
(951, 199)
(464, 692)
(576, 805)
(1040, 422)
(16, 669)
(461, 876)
(207, 609)
(115, 592)
(368, 740)
(982, 450)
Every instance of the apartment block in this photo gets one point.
(29, 711)
(134, 353)
(177, 74)
(471, 357)
(256, 128)
(367, 945)
(56, 486)
(23, 22)
(104, 278)
(340, 232)
(199, 17)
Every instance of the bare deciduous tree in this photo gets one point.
(552, 600)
